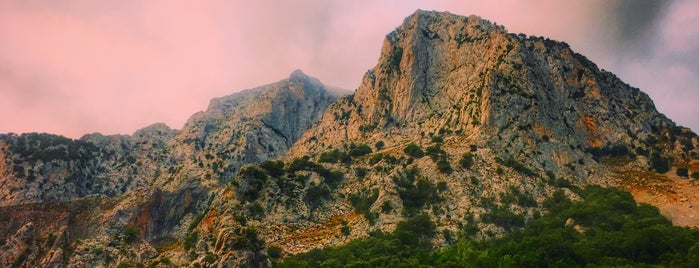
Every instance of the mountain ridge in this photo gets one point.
(459, 121)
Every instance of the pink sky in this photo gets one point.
(82, 66)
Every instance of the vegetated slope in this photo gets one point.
(606, 228)
(158, 179)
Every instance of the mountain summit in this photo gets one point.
(460, 124)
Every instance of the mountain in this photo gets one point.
(460, 124)
(157, 179)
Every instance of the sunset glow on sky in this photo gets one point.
(81, 66)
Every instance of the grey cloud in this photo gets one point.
(635, 23)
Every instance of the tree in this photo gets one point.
(413, 150)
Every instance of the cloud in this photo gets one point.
(73, 67)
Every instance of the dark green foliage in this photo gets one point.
(359, 150)
(395, 58)
(273, 168)
(250, 182)
(360, 172)
(437, 139)
(389, 159)
(345, 230)
(503, 217)
(466, 160)
(247, 239)
(190, 240)
(517, 197)
(362, 202)
(435, 152)
(413, 150)
(683, 172)
(415, 191)
(616, 150)
(255, 210)
(695, 175)
(375, 159)
(130, 234)
(444, 166)
(517, 166)
(387, 206)
(408, 246)
(209, 257)
(334, 156)
(442, 186)
(658, 163)
(274, 252)
(379, 145)
(332, 178)
(316, 193)
(32, 147)
(616, 232)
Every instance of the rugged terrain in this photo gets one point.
(459, 120)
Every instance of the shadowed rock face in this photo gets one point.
(504, 120)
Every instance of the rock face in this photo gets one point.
(459, 120)
(246, 127)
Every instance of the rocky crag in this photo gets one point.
(155, 181)
(459, 120)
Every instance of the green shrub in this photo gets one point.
(444, 166)
(274, 252)
(387, 206)
(360, 172)
(130, 234)
(466, 160)
(413, 150)
(375, 159)
(190, 240)
(359, 150)
(379, 145)
(682, 172)
(695, 175)
(659, 163)
(517, 166)
(316, 193)
(503, 217)
(362, 202)
(334, 156)
(415, 191)
(273, 168)
(345, 230)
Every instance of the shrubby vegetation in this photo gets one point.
(466, 160)
(408, 246)
(658, 163)
(607, 228)
(362, 202)
(517, 166)
(415, 191)
(413, 150)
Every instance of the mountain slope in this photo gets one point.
(156, 181)
(459, 120)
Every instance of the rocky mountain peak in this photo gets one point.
(459, 122)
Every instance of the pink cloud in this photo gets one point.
(73, 67)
